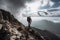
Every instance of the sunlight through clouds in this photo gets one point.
(34, 5)
(31, 8)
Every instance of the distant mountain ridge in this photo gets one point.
(48, 25)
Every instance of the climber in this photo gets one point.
(29, 21)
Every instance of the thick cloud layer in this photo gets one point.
(12, 5)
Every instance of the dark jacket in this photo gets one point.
(29, 19)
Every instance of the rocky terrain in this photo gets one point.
(12, 29)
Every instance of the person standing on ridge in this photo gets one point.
(29, 21)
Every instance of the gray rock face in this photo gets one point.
(12, 29)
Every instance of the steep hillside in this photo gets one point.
(47, 35)
(12, 29)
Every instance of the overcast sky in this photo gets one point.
(31, 7)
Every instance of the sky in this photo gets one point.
(33, 8)
(42, 6)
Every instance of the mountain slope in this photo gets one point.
(12, 29)
(47, 35)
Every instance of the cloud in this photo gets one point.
(55, 1)
(13, 5)
(55, 12)
(47, 4)
(56, 5)
(33, 8)
(16, 6)
(51, 10)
